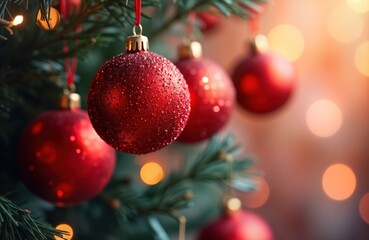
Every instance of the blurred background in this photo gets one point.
(313, 151)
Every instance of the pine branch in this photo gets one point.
(176, 192)
(17, 223)
(240, 8)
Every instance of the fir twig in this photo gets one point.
(17, 223)
(176, 192)
(240, 8)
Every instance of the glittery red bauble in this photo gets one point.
(212, 98)
(264, 82)
(138, 102)
(63, 160)
(239, 225)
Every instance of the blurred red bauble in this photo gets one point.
(68, 7)
(239, 225)
(208, 21)
(264, 82)
(211, 90)
(63, 160)
(139, 101)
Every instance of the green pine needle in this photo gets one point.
(17, 223)
(176, 192)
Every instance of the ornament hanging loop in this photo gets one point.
(68, 89)
(134, 29)
(137, 42)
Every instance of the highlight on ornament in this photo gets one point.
(324, 118)
(67, 228)
(151, 173)
(339, 182)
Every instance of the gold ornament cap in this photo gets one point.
(137, 42)
(69, 100)
(259, 44)
(231, 205)
(190, 49)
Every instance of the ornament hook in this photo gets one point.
(137, 42)
(134, 29)
(182, 224)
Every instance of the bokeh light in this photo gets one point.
(17, 20)
(362, 58)
(344, 25)
(339, 181)
(360, 6)
(364, 208)
(151, 173)
(324, 118)
(53, 21)
(258, 198)
(286, 40)
(67, 228)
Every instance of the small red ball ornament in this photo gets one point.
(238, 225)
(61, 157)
(139, 101)
(264, 81)
(68, 7)
(208, 21)
(211, 90)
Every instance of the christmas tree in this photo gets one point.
(51, 151)
(185, 112)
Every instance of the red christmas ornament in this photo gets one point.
(264, 81)
(208, 21)
(68, 7)
(61, 157)
(139, 101)
(211, 90)
(238, 225)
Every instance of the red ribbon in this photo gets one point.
(254, 24)
(67, 7)
(138, 12)
(254, 19)
(191, 19)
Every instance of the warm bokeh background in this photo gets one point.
(314, 151)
